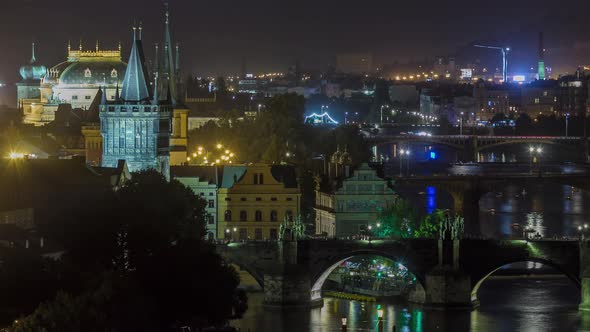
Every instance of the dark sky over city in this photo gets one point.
(215, 35)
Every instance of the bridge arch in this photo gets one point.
(422, 140)
(256, 275)
(324, 272)
(481, 279)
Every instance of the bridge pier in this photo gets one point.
(447, 286)
(466, 203)
(288, 284)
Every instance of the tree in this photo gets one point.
(524, 124)
(430, 224)
(397, 221)
(135, 260)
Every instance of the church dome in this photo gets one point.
(32, 71)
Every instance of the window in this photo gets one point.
(210, 220)
(243, 215)
(261, 178)
(228, 199)
(210, 194)
(258, 234)
(201, 194)
(289, 198)
(274, 216)
(114, 73)
(227, 216)
(273, 199)
(74, 97)
(87, 97)
(258, 215)
(243, 199)
(273, 234)
(256, 178)
(258, 199)
(537, 100)
(87, 73)
(243, 234)
(211, 203)
(289, 215)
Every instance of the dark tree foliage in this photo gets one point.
(135, 259)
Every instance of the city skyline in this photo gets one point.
(214, 39)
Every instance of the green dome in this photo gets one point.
(32, 72)
(91, 72)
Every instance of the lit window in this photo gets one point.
(243, 215)
(114, 73)
(87, 73)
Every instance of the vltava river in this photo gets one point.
(528, 305)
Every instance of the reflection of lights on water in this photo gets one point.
(534, 221)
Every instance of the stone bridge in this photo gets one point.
(467, 190)
(448, 273)
(469, 146)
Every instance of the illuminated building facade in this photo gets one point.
(75, 81)
(350, 208)
(136, 126)
(254, 200)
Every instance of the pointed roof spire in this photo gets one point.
(80, 45)
(156, 97)
(135, 83)
(169, 57)
(97, 45)
(33, 54)
(140, 29)
(69, 46)
(103, 91)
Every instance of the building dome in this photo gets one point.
(89, 68)
(32, 71)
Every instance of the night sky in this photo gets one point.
(215, 35)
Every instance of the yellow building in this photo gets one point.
(253, 201)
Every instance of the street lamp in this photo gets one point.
(535, 151)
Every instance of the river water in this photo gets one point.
(528, 305)
(515, 304)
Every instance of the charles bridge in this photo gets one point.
(448, 272)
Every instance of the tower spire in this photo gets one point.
(103, 90)
(97, 45)
(80, 45)
(135, 83)
(169, 57)
(140, 29)
(156, 97)
(33, 53)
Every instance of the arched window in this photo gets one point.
(243, 215)
(258, 215)
(255, 178)
(227, 216)
(114, 73)
(274, 216)
(261, 178)
(87, 73)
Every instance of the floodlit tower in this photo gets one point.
(541, 72)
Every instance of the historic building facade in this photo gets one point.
(353, 204)
(253, 200)
(136, 126)
(204, 182)
(75, 81)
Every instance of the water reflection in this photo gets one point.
(506, 305)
